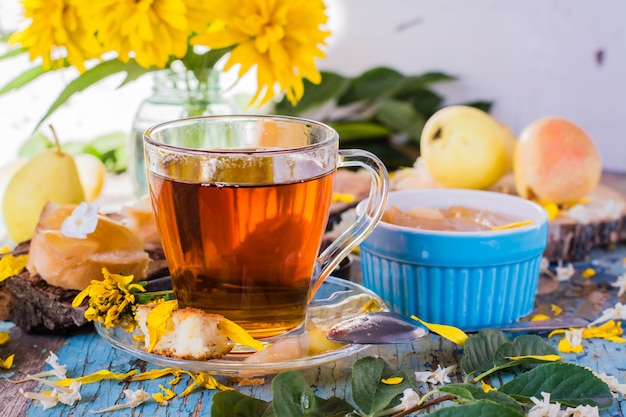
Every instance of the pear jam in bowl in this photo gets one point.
(482, 271)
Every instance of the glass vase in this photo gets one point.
(175, 95)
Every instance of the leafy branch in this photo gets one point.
(378, 390)
(381, 110)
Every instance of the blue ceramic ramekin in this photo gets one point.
(463, 279)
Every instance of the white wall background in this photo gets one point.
(533, 58)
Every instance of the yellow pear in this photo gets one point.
(50, 176)
(464, 147)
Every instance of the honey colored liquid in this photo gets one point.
(245, 252)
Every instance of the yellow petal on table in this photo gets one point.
(342, 198)
(392, 381)
(8, 362)
(160, 397)
(4, 338)
(565, 347)
(96, 377)
(556, 309)
(539, 317)
(451, 333)
(237, 334)
(588, 273)
(158, 373)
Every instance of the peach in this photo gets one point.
(555, 161)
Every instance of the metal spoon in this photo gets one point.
(386, 327)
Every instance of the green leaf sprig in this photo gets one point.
(485, 353)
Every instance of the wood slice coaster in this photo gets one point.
(597, 223)
(37, 307)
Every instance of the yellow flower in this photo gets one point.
(11, 265)
(111, 300)
(281, 38)
(56, 31)
(150, 31)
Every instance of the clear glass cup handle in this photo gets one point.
(330, 258)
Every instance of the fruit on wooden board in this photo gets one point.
(555, 161)
(50, 176)
(464, 147)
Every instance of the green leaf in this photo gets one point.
(13, 52)
(473, 393)
(360, 130)
(94, 75)
(479, 350)
(372, 84)
(292, 395)
(333, 407)
(233, 403)
(482, 408)
(401, 117)
(23, 79)
(331, 86)
(568, 384)
(370, 394)
(528, 344)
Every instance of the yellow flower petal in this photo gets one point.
(565, 347)
(8, 362)
(160, 397)
(159, 321)
(238, 335)
(392, 381)
(539, 317)
(556, 309)
(11, 265)
(588, 273)
(552, 209)
(451, 333)
(204, 381)
(486, 387)
(513, 225)
(96, 377)
(4, 338)
(547, 358)
(158, 373)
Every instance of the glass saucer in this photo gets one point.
(337, 299)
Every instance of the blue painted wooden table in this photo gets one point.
(86, 353)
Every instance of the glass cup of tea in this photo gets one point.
(242, 203)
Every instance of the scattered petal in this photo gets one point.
(513, 225)
(614, 385)
(620, 283)
(539, 317)
(237, 334)
(135, 398)
(343, 198)
(564, 273)
(486, 387)
(97, 377)
(160, 397)
(451, 333)
(617, 312)
(547, 358)
(12, 265)
(552, 209)
(588, 273)
(392, 381)
(409, 399)
(4, 338)
(556, 309)
(8, 362)
(438, 376)
(543, 408)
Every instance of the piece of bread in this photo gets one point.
(72, 263)
(192, 334)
